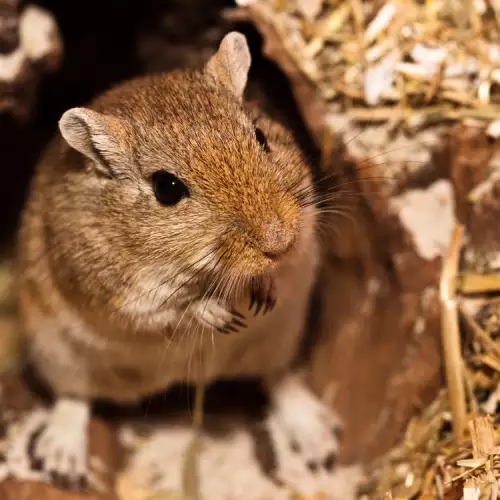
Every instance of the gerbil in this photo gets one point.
(154, 217)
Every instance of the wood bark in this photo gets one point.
(379, 342)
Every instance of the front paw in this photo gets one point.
(263, 295)
(213, 315)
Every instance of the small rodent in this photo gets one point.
(170, 222)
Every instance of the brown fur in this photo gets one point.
(99, 258)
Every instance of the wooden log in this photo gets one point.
(379, 341)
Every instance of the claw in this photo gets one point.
(263, 295)
(329, 462)
(268, 306)
(239, 323)
(236, 313)
(272, 304)
(258, 308)
(234, 324)
(253, 299)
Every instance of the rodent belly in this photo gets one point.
(126, 373)
(148, 372)
(266, 347)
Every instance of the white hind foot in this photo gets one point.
(60, 449)
(301, 423)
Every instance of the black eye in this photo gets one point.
(168, 189)
(261, 139)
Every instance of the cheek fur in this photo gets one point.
(204, 257)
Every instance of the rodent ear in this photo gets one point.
(231, 63)
(96, 136)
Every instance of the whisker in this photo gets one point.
(215, 280)
(384, 153)
(188, 326)
(203, 269)
(311, 198)
(169, 279)
(170, 340)
(188, 329)
(359, 167)
(353, 137)
(311, 188)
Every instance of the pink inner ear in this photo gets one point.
(231, 63)
(76, 126)
(100, 138)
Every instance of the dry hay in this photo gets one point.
(451, 450)
(411, 63)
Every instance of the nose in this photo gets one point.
(276, 238)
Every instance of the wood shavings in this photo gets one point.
(310, 8)
(428, 216)
(380, 22)
(471, 463)
(473, 283)
(425, 54)
(380, 78)
(412, 54)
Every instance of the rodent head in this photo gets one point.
(188, 179)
